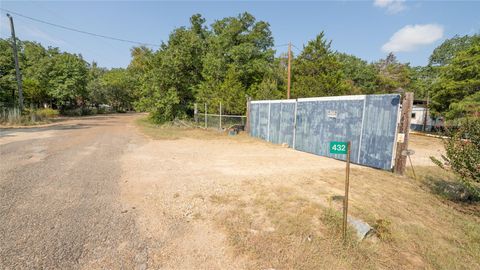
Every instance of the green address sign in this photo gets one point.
(338, 148)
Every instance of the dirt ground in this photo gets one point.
(224, 199)
(203, 200)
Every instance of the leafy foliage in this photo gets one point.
(361, 76)
(317, 71)
(238, 55)
(392, 74)
(463, 154)
(443, 54)
(456, 90)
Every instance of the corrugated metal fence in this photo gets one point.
(310, 124)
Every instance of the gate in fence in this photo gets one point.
(369, 122)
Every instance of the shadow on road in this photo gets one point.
(7, 132)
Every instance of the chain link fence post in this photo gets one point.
(220, 110)
(206, 121)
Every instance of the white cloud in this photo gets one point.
(392, 6)
(411, 37)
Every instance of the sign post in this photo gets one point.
(343, 148)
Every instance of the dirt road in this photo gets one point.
(96, 193)
(60, 197)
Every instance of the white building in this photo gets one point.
(421, 120)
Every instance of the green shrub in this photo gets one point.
(82, 111)
(383, 229)
(47, 113)
(462, 148)
(30, 116)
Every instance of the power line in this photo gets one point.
(296, 48)
(81, 31)
(103, 36)
(281, 45)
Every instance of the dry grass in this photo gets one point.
(281, 209)
(172, 132)
(285, 227)
(280, 230)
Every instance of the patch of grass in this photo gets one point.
(283, 227)
(219, 199)
(445, 185)
(383, 229)
(29, 117)
(170, 131)
(281, 230)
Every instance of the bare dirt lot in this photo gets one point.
(116, 192)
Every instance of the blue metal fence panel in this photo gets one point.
(287, 125)
(309, 125)
(282, 122)
(253, 118)
(263, 117)
(275, 123)
(379, 131)
(321, 121)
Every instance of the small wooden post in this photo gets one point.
(247, 124)
(404, 128)
(345, 199)
(220, 115)
(206, 125)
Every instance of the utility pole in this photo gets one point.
(288, 68)
(17, 68)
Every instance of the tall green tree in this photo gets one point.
(7, 73)
(95, 90)
(117, 89)
(443, 54)
(239, 54)
(317, 71)
(360, 76)
(456, 91)
(35, 81)
(172, 73)
(392, 74)
(67, 82)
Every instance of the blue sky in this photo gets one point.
(367, 29)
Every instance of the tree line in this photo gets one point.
(60, 80)
(232, 59)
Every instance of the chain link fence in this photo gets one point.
(217, 121)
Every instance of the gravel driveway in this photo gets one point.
(60, 202)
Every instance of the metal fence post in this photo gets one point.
(206, 124)
(195, 114)
(220, 115)
(295, 124)
(247, 120)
